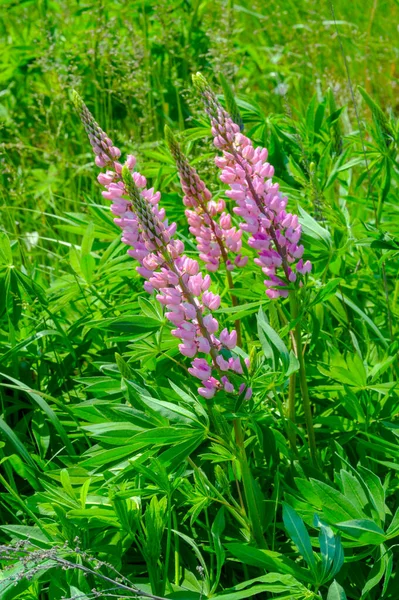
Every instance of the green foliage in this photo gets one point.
(104, 441)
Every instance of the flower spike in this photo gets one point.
(176, 278)
(217, 239)
(274, 232)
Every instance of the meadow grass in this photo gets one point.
(88, 361)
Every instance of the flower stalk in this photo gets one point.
(273, 232)
(303, 383)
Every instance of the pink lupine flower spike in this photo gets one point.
(174, 277)
(217, 239)
(274, 232)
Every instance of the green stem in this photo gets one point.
(304, 385)
(291, 413)
(177, 550)
(153, 579)
(211, 546)
(253, 513)
(234, 300)
(168, 546)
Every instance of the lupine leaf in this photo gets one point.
(299, 535)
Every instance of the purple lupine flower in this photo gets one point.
(111, 180)
(217, 239)
(181, 288)
(274, 232)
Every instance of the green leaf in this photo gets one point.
(87, 241)
(9, 434)
(217, 529)
(388, 571)
(393, 528)
(231, 104)
(5, 250)
(199, 556)
(377, 572)
(353, 490)
(299, 535)
(336, 592)
(26, 342)
(365, 318)
(336, 506)
(41, 402)
(271, 561)
(378, 114)
(87, 265)
(27, 532)
(331, 551)
(77, 593)
(313, 229)
(325, 292)
(173, 457)
(362, 530)
(376, 491)
(126, 325)
(273, 583)
(273, 338)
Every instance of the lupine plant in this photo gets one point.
(176, 279)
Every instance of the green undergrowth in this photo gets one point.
(105, 444)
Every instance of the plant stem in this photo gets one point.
(168, 546)
(211, 546)
(304, 385)
(177, 550)
(253, 513)
(234, 301)
(291, 413)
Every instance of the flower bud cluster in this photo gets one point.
(102, 145)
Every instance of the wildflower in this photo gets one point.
(181, 289)
(175, 278)
(273, 232)
(216, 238)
